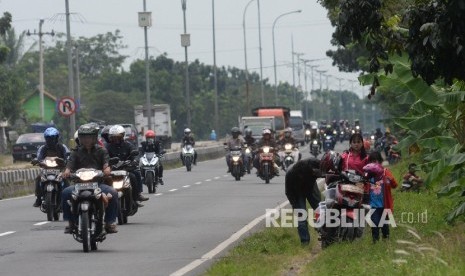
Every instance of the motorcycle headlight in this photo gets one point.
(118, 184)
(372, 137)
(315, 142)
(328, 137)
(247, 150)
(86, 175)
(235, 158)
(334, 132)
(287, 146)
(51, 177)
(307, 132)
(266, 149)
(357, 127)
(342, 132)
(154, 161)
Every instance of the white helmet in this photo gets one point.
(187, 131)
(266, 131)
(116, 130)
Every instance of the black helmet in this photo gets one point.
(90, 129)
(248, 132)
(105, 133)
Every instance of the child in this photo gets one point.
(381, 180)
(411, 180)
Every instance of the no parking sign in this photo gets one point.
(67, 106)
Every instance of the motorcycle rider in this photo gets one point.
(235, 142)
(105, 135)
(315, 135)
(188, 139)
(52, 148)
(300, 187)
(122, 149)
(266, 140)
(287, 139)
(89, 155)
(152, 145)
(249, 140)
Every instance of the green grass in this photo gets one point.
(421, 244)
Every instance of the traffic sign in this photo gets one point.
(66, 106)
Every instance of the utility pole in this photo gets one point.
(185, 42)
(262, 87)
(215, 79)
(340, 97)
(293, 70)
(146, 21)
(78, 80)
(69, 51)
(41, 66)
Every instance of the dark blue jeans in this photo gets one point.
(110, 212)
(376, 218)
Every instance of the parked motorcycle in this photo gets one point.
(121, 182)
(187, 154)
(266, 168)
(149, 164)
(315, 148)
(343, 197)
(51, 185)
(87, 201)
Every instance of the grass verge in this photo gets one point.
(421, 244)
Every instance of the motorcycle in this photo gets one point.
(341, 136)
(87, 201)
(328, 143)
(248, 158)
(344, 197)
(149, 164)
(315, 148)
(51, 185)
(122, 184)
(307, 136)
(266, 168)
(289, 156)
(187, 155)
(237, 163)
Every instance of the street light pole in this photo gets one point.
(69, 51)
(214, 67)
(274, 55)
(245, 57)
(185, 42)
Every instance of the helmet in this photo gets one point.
(90, 129)
(187, 131)
(150, 134)
(288, 132)
(248, 132)
(105, 133)
(76, 138)
(117, 134)
(330, 162)
(266, 131)
(51, 135)
(235, 131)
(373, 170)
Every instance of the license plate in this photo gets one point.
(86, 186)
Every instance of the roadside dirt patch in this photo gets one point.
(294, 269)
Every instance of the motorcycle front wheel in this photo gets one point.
(48, 203)
(85, 231)
(150, 183)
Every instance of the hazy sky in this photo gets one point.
(309, 30)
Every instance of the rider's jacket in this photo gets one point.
(249, 140)
(97, 158)
(156, 147)
(189, 140)
(122, 150)
(238, 142)
(60, 150)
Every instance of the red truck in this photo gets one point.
(280, 113)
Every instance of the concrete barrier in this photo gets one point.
(16, 182)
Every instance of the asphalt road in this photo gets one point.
(192, 220)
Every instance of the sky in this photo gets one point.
(307, 33)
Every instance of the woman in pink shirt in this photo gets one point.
(356, 157)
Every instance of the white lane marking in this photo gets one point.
(198, 183)
(41, 223)
(172, 190)
(14, 198)
(225, 175)
(208, 180)
(217, 177)
(186, 186)
(234, 237)
(158, 194)
(7, 233)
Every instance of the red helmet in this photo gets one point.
(330, 162)
(150, 134)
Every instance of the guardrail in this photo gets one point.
(16, 182)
